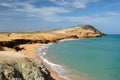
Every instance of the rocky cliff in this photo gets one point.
(15, 66)
(14, 40)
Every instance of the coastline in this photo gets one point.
(27, 43)
(41, 51)
(54, 68)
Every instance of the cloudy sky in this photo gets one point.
(39, 15)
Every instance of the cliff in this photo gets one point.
(14, 40)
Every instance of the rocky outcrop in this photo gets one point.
(80, 31)
(14, 44)
(15, 66)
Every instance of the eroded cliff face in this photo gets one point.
(14, 40)
(15, 66)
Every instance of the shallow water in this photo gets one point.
(87, 59)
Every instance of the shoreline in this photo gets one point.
(27, 43)
(40, 52)
(35, 55)
(55, 73)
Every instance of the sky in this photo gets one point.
(40, 15)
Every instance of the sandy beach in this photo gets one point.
(30, 50)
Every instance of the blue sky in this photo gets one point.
(39, 15)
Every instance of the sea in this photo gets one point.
(85, 58)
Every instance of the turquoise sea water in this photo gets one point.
(88, 59)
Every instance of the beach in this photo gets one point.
(30, 50)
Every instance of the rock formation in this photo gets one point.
(13, 40)
(15, 66)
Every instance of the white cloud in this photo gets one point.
(80, 19)
(85, 19)
(32, 10)
(52, 10)
(51, 14)
(113, 13)
(46, 13)
(73, 3)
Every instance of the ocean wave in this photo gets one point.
(66, 40)
(42, 50)
(56, 67)
(62, 72)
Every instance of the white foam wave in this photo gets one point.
(66, 40)
(56, 67)
(44, 53)
(41, 51)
